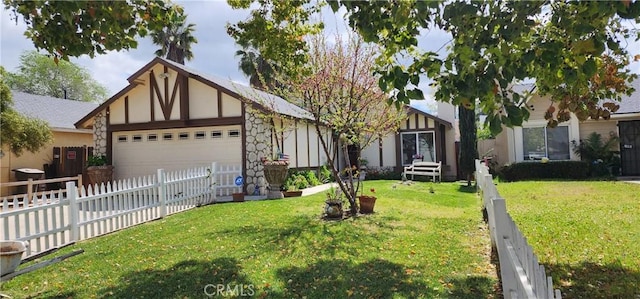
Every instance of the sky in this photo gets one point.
(213, 54)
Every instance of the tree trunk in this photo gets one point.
(468, 143)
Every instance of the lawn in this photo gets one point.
(417, 245)
(587, 234)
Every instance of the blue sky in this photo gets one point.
(213, 54)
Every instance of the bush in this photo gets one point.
(311, 178)
(382, 173)
(574, 170)
(324, 174)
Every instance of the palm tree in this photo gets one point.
(260, 72)
(175, 38)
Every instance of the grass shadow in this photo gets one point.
(471, 287)
(467, 189)
(342, 278)
(591, 280)
(185, 279)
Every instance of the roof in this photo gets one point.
(418, 111)
(266, 100)
(630, 104)
(59, 113)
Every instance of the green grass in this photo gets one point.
(416, 245)
(587, 234)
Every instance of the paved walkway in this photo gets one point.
(630, 179)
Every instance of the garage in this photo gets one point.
(142, 153)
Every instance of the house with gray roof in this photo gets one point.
(174, 117)
(534, 140)
(61, 115)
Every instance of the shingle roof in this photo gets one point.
(631, 104)
(267, 100)
(59, 113)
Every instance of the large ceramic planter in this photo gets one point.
(275, 172)
(367, 203)
(11, 255)
(100, 174)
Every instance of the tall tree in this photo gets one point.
(175, 37)
(468, 142)
(17, 131)
(499, 43)
(254, 66)
(74, 28)
(39, 74)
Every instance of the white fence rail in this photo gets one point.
(522, 276)
(58, 218)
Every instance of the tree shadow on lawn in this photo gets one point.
(372, 279)
(185, 279)
(590, 280)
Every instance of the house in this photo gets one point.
(422, 133)
(173, 117)
(535, 140)
(61, 114)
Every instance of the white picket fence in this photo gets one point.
(522, 275)
(58, 218)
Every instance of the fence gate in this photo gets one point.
(630, 147)
(69, 161)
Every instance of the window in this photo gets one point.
(216, 134)
(540, 142)
(122, 138)
(136, 138)
(421, 143)
(234, 133)
(200, 135)
(167, 136)
(183, 135)
(152, 137)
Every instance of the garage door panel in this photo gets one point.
(142, 156)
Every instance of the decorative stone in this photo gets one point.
(103, 143)
(250, 173)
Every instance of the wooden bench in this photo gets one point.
(432, 169)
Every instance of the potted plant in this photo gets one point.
(238, 196)
(275, 172)
(98, 170)
(294, 184)
(333, 204)
(367, 202)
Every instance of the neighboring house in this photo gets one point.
(173, 117)
(431, 136)
(534, 140)
(61, 115)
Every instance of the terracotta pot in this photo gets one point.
(367, 203)
(238, 197)
(100, 174)
(296, 193)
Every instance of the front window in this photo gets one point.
(540, 142)
(418, 144)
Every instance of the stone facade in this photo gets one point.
(258, 145)
(100, 134)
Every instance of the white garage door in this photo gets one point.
(142, 153)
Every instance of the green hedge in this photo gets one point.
(574, 170)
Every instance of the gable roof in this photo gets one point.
(261, 98)
(630, 104)
(437, 119)
(61, 114)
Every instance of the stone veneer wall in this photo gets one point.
(258, 145)
(100, 134)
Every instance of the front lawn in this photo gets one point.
(417, 245)
(587, 234)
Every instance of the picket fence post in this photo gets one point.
(213, 180)
(72, 194)
(503, 228)
(162, 192)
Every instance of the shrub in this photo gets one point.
(574, 170)
(382, 173)
(311, 178)
(324, 174)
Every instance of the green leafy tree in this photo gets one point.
(39, 74)
(74, 28)
(176, 37)
(495, 44)
(254, 66)
(17, 131)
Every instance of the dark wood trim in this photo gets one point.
(176, 85)
(243, 129)
(167, 108)
(417, 121)
(417, 130)
(173, 124)
(295, 130)
(152, 97)
(126, 109)
(184, 97)
(282, 134)
(380, 151)
(408, 123)
(156, 90)
(399, 152)
(220, 102)
(443, 144)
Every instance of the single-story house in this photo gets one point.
(61, 114)
(173, 117)
(534, 140)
